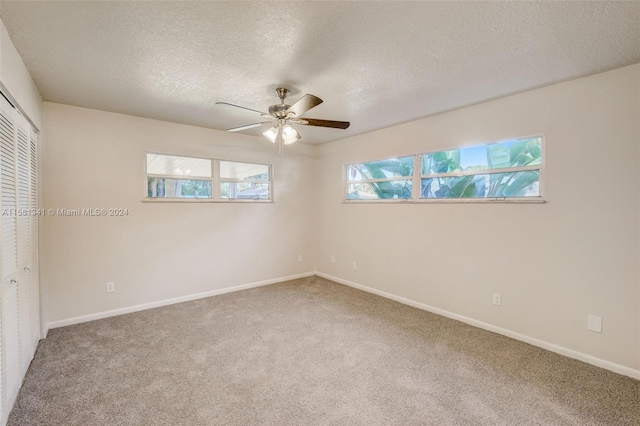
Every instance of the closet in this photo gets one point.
(20, 321)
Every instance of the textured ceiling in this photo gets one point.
(374, 63)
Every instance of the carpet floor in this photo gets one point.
(308, 352)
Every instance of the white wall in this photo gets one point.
(17, 81)
(161, 251)
(553, 263)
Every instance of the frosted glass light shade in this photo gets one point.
(271, 134)
(289, 135)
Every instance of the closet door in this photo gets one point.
(8, 258)
(20, 305)
(33, 229)
(23, 248)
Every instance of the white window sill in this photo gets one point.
(532, 200)
(201, 200)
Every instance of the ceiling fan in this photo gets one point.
(283, 132)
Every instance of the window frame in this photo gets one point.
(347, 182)
(215, 179)
(230, 180)
(418, 176)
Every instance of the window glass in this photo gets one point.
(382, 190)
(243, 171)
(509, 154)
(178, 188)
(381, 180)
(177, 177)
(245, 190)
(244, 181)
(501, 170)
(468, 172)
(172, 165)
(384, 169)
(511, 184)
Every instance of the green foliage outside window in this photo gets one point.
(391, 169)
(507, 155)
(506, 169)
(178, 188)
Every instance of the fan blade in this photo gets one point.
(248, 126)
(304, 104)
(324, 123)
(238, 106)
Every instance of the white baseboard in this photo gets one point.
(151, 305)
(598, 362)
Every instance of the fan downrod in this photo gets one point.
(282, 93)
(279, 110)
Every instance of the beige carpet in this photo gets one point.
(308, 352)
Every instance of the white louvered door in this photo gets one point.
(33, 230)
(24, 244)
(8, 258)
(19, 327)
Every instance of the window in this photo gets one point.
(379, 180)
(244, 181)
(187, 178)
(507, 170)
(170, 176)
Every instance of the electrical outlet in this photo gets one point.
(594, 323)
(497, 299)
(333, 259)
(111, 287)
(299, 258)
(355, 266)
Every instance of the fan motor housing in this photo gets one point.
(279, 110)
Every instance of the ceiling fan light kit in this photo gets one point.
(284, 132)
